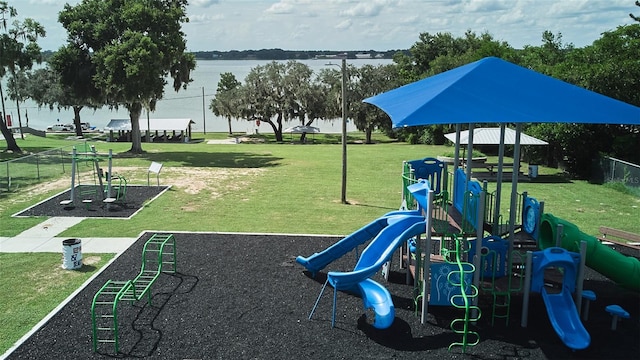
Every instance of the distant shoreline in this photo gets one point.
(279, 54)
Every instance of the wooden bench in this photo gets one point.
(615, 236)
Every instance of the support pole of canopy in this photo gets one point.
(477, 257)
(514, 196)
(456, 155)
(469, 153)
(496, 209)
(427, 258)
(456, 160)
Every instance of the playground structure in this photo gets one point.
(438, 241)
(103, 186)
(159, 251)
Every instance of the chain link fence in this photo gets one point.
(37, 168)
(617, 170)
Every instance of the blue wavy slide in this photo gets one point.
(565, 319)
(319, 261)
(374, 295)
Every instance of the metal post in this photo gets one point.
(73, 175)
(514, 199)
(344, 131)
(580, 276)
(559, 233)
(469, 156)
(426, 269)
(204, 121)
(498, 198)
(527, 289)
(477, 257)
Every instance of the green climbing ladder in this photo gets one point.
(158, 253)
(464, 299)
(104, 317)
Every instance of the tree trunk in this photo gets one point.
(229, 121)
(8, 136)
(278, 129)
(135, 109)
(368, 133)
(19, 118)
(76, 120)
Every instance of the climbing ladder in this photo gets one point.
(158, 252)
(465, 298)
(104, 318)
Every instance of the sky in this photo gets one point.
(367, 24)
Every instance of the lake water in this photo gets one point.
(185, 103)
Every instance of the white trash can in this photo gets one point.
(71, 254)
(533, 171)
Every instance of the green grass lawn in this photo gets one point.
(34, 284)
(256, 187)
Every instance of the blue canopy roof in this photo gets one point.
(492, 90)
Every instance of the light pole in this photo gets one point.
(343, 68)
(344, 131)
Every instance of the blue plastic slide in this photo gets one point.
(565, 319)
(375, 296)
(560, 306)
(319, 261)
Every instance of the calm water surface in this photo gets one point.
(183, 104)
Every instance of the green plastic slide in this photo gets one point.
(624, 270)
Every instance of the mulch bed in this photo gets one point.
(244, 296)
(136, 197)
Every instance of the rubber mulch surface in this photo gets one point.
(238, 296)
(134, 199)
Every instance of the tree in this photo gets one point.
(73, 71)
(134, 45)
(609, 66)
(43, 87)
(371, 80)
(433, 54)
(16, 55)
(274, 93)
(636, 18)
(227, 101)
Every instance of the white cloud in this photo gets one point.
(42, 2)
(487, 5)
(205, 18)
(203, 3)
(367, 24)
(368, 8)
(282, 7)
(345, 24)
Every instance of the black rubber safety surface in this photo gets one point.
(238, 296)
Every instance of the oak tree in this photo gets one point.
(135, 45)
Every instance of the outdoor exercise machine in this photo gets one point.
(158, 253)
(98, 190)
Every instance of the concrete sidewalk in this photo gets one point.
(43, 238)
